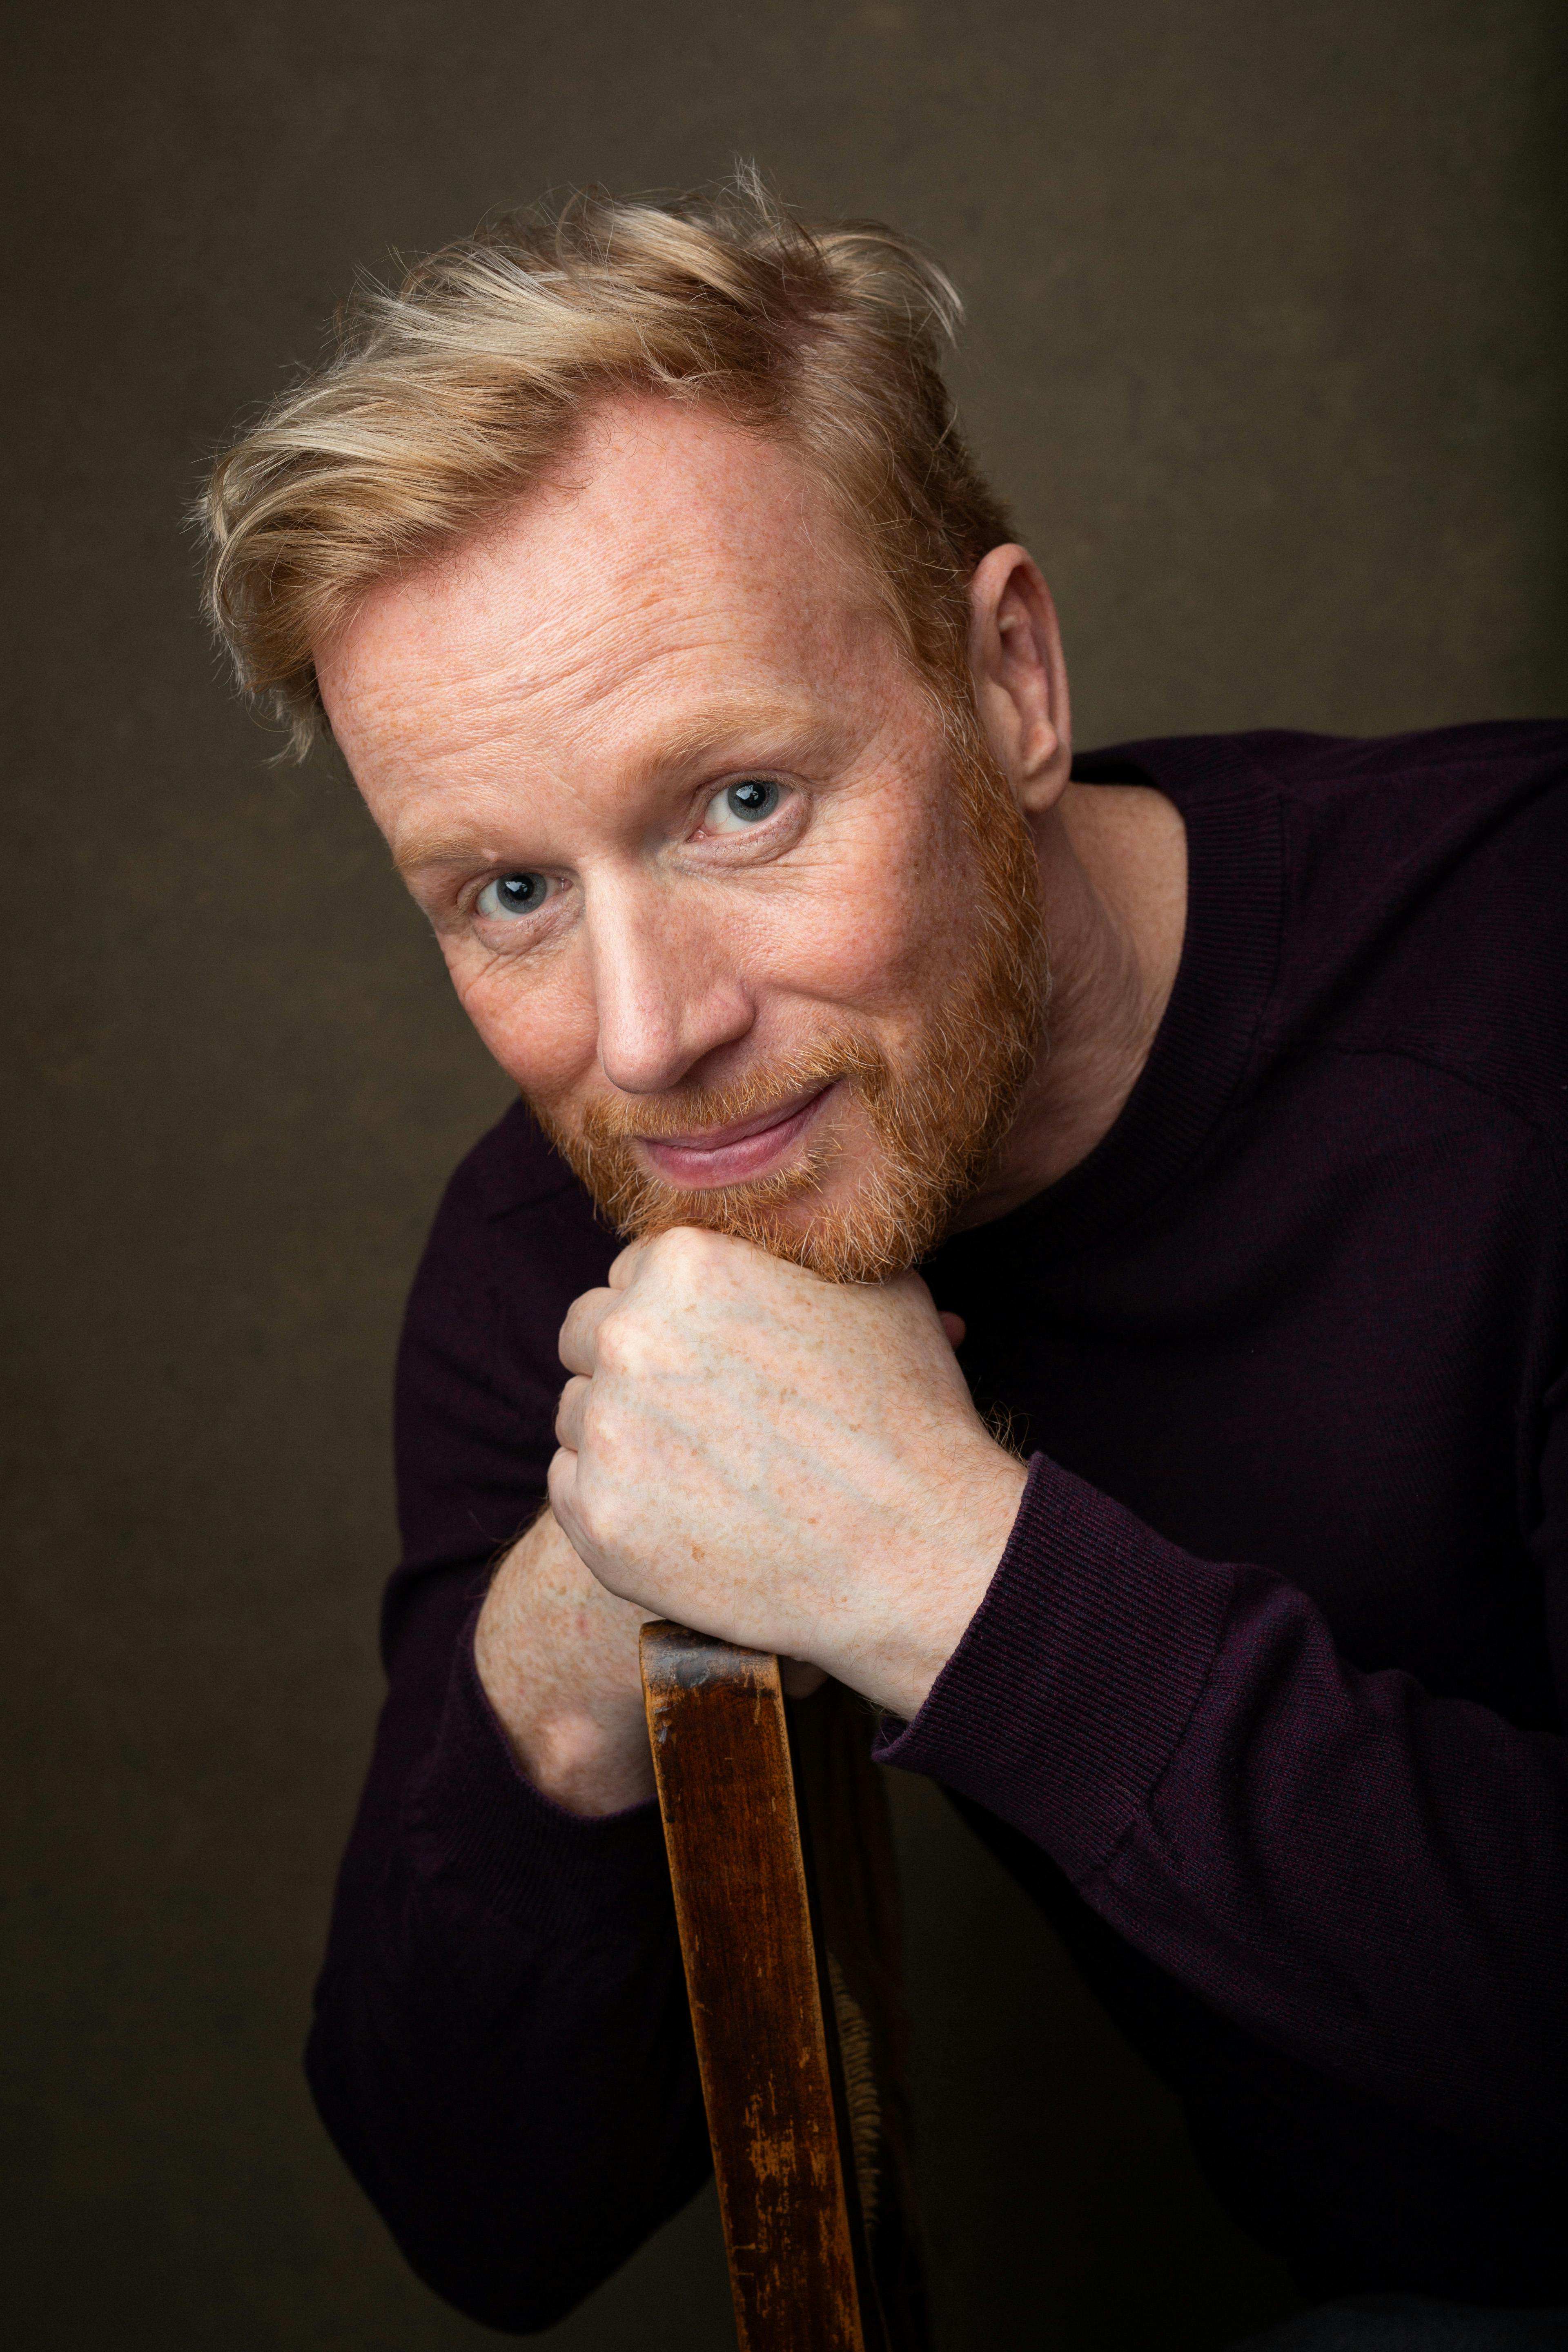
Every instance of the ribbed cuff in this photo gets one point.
(1076, 1678)
(474, 1814)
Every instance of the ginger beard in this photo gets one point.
(937, 1114)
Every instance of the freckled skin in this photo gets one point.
(569, 695)
(850, 1588)
(533, 710)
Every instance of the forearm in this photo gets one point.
(502, 2047)
(1372, 1879)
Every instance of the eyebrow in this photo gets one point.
(427, 852)
(785, 724)
(685, 746)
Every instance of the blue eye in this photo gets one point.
(512, 894)
(739, 806)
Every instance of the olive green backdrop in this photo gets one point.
(1267, 343)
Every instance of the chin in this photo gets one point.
(857, 1232)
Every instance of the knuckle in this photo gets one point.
(601, 1514)
(617, 1351)
(569, 1341)
(696, 1258)
(686, 1246)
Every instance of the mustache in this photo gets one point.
(686, 1112)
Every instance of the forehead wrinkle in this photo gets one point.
(488, 720)
(656, 594)
(478, 661)
(625, 647)
(475, 824)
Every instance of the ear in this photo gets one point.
(1020, 676)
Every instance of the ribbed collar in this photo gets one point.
(1229, 957)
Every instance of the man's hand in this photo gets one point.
(780, 1461)
(557, 1654)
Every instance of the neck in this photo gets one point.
(1114, 879)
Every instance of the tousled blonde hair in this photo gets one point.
(443, 401)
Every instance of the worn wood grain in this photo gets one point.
(720, 1748)
(847, 1841)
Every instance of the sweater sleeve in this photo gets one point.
(501, 2047)
(1371, 1878)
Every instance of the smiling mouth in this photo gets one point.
(748, 1148)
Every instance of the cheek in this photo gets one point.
(889, 918)
(537, 1023)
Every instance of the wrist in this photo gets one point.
(926, 1595)
(568, 1701)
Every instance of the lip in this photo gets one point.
(731, 1155)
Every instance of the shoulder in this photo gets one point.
(1415, 806)
(513, 1194)
(1393, 785)
(515, 1237)
(512, 1166)
(1424, 879)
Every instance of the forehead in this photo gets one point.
(673, 561)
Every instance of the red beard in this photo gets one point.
(938, 1113)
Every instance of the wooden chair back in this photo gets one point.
(781, 1861)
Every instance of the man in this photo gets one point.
(1216, 1088)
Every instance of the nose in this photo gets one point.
(667, 993)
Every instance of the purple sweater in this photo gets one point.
(1260, 1705)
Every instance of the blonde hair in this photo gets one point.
(442, 402)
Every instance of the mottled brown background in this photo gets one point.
(1268, 342)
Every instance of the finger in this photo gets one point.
(570, 1413)
(580, 1331)
(622, 1273)
(954, 1325)
(561, 1485)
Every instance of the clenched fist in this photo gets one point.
(783, 1462)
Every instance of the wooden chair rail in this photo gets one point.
(767, 2004)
